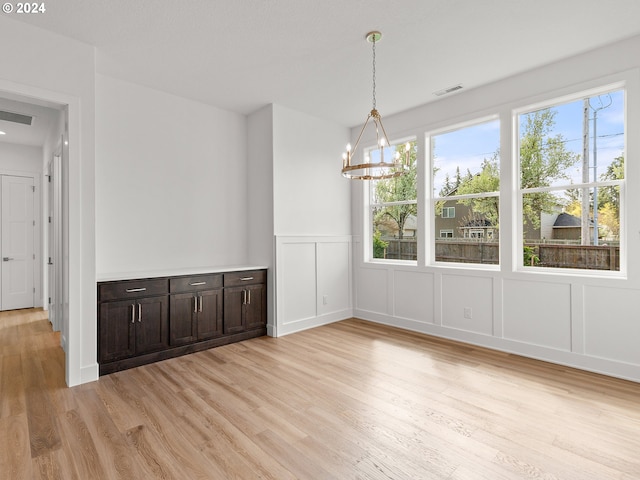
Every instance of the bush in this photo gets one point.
(379, 246)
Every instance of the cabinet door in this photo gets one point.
(183, 318)
(233, 303)
(152, 324)
(117, 330)
(255, 307)
(209, 314)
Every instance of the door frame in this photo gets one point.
(79, 337)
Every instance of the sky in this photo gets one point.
(468, 147)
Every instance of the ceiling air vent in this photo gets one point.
(16, 117)
(444, 91)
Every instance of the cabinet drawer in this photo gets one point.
(237, 279)
(132, 289)
(195, 283)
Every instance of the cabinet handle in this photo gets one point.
(244, 297)
(246, 279)
(195, 304)
(195, 284)
(139, 312)
(133, 290)
(133, 313)
(249, 295)
(200, 308)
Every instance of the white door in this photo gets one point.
(17, 242)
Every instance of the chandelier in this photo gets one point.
(394, 166)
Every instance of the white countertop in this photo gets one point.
(173, 272)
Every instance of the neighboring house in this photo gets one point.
(457, 220)
(557, 226)
(569, 227)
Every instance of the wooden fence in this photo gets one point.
(606, 257)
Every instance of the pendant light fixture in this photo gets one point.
(368, 170)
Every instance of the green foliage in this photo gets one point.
(396, 190)
(379, 245)
(488, 180)
(530, 257)
(611, 194)
(543, 159)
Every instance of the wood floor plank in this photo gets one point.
(43, 427)
(12, 393)
(80, 446)
(109, 441)
(15, 453)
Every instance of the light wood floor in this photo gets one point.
(352, 400)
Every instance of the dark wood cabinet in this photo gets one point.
(196, 312)
(147, 320)
(133, 326)
(245, 301)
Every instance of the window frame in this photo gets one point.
(518, 192)
(433, 199)
(368, 251)
(448, 209)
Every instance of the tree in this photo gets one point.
(543, 159)
(609, 197)
(397, 189)
(488, 180)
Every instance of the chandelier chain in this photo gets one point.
(374, 71)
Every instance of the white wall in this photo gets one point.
(310, 196)
(17, 159)
(295, 178)
(42, 65)
(171, 181)
(587, 322)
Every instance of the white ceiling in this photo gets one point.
(311, 55)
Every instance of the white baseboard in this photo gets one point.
(305, 324)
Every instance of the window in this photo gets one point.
(448, 212)
(447, 233)
(466, 176)
(393, 209)
(571, 174)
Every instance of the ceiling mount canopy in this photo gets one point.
(368, 170)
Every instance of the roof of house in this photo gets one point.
(568, 220)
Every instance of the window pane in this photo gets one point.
(571, 236)
(579, 142)
(467, 162)
(553, 150)
(469, 238)
(394, 209)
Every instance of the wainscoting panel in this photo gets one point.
(313, 282)
(413, 296)
(467, 303)
(612, 323)
(538, 313)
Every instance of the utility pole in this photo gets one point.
(584, 217)
(595, 162)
